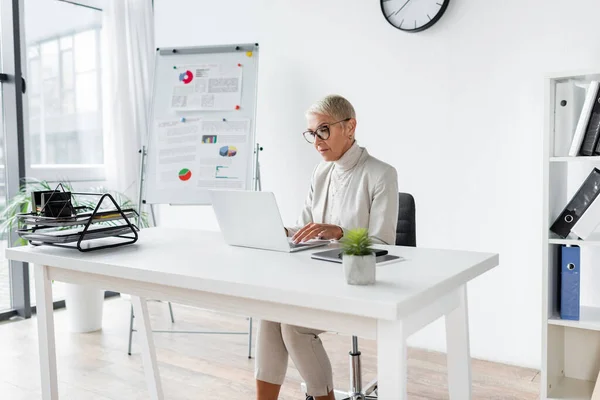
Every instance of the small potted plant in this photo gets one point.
(358, 258)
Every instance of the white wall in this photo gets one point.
(457, 109)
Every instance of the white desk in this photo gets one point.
(197, 268)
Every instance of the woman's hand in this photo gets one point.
(318, 231)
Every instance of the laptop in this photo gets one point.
(252, 219)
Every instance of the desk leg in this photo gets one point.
(458, 352)
(391, 361)
(45, 323)
(147, 346)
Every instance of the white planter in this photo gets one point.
(84, 306)
(359, 270)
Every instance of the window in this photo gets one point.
(65, 140)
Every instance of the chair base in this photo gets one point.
(344, 396)
(356, 391)
(341, 395)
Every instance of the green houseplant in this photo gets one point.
(358, 258)
(84, 303)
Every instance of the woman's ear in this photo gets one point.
(351, 127)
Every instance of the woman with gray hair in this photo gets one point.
(349, 189)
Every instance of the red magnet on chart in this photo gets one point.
(237, 107)
(239, 65)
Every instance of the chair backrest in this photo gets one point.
(406, 231)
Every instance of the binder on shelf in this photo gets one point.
(589, 221)
(566, 111)
(592, 132)
(584, 117)
(578, 205)
(570, 282)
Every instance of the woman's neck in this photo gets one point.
(349, 159)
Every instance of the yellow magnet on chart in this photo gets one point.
(249, 53)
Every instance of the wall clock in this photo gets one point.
(413, 15)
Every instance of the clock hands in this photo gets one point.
(407, 1)
(413, 20)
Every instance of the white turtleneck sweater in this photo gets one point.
(356, 191)
(338, 185)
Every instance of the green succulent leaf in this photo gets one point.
(356, 242)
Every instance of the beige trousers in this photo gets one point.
(276, 341)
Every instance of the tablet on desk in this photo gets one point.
(335, 256)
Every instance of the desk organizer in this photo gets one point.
(77, 227)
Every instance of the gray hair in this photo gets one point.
(333, 105)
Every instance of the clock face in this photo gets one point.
(413, 15)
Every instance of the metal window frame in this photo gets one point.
(93, 4)
(12, 59)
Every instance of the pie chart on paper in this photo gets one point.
(185, 174)
(186, 77)
(228, 151)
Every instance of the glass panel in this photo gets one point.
(5, 289)
(85, 50)
(33, 86)
(68, 102)
(65, 124)
(67, 70)
(63, 148)
(87, 92)
(66, 42)
(66, 120)
(36, 155)
(51, 98)
(49, 59)
(97, 155)
(35, 108)
(33, 51)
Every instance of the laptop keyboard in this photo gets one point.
(311, 243)
(296, 245)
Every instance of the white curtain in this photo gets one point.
(128, 63)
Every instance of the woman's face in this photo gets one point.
(341, 135)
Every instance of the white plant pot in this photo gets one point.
(359, 270)
(84, 306)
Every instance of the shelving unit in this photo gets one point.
(593, 240)
(589, 318)
(570, 349)
(593, 159)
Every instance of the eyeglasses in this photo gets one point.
(322, 131)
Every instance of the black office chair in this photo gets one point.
(406, 235)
